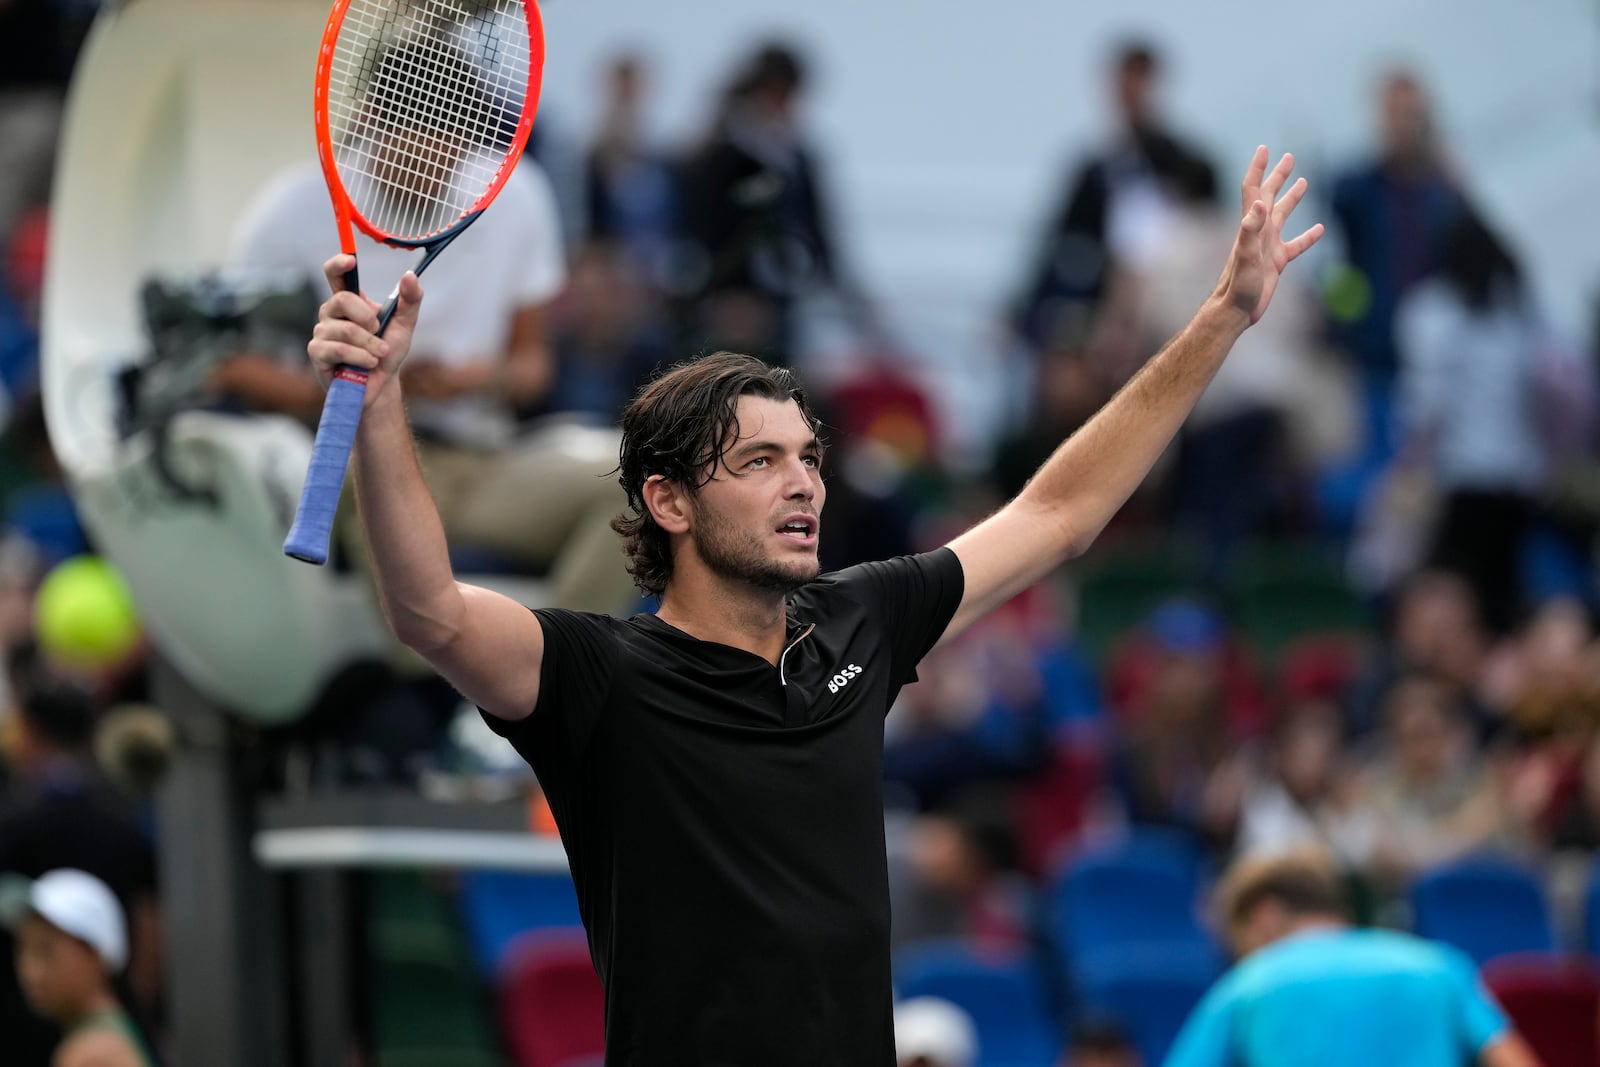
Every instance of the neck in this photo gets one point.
(714, 610)
(1302, 923)
(98, 1003)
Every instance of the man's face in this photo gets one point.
(1263, 924)
(57, 972)
(757, 521)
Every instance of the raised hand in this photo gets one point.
(1260, 253)
(347, 330)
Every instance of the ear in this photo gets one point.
(668, 503)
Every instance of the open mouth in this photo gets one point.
(799, 528)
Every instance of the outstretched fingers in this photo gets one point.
(1250, 188)
(1288, 202)
(1304, 241)
(1274, 181)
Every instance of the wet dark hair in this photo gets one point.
(679, 427)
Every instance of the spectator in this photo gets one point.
(1115, 208)
(1068, 388)
(1180, 761)
(538, 501)
(963, 878)
(931, 1032)
(605, 339)
(1435, 630)
(1306, 799)
(632, 194)
(1240, 470)
(1096, 1044)
(61, 814)
(1468, 340)
(1310, 990)
(1431, 795)
(72, 941)
(758, 213)
(1392, 213)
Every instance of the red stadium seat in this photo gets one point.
(552, 1008)
(1553, 1001)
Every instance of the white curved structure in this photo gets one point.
(171, 127)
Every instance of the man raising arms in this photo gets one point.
(715, 768)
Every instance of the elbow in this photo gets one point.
(426, 630)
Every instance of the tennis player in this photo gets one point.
(714, 768)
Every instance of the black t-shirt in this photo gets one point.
(724, 818)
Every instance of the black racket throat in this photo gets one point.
(430, 251)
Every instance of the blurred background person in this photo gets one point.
(1431, 793)
(61, 812)
(1114, 209)
(1309, 989)
(930, 1032)
(1469, 337)
(758, 213)
(537, 500)
(633, 199)
(72, 942)
(1391, 212)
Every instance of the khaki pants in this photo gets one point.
(547, 501)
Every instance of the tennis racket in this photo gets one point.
(423, 108)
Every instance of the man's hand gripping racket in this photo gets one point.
(423, 108)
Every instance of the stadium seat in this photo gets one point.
(1485, 906)
(497, 906)
(1147, 992)
(1139, 891)
(1553, 1000)
(1591, 911)
(552, 1007)
(1002, 990)
(1286, 592)
(426, 1003)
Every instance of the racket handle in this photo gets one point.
(312, 531)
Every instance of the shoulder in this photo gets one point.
(872, 578)
(98, 1047)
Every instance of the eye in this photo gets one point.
(811, 459)
(757, 463)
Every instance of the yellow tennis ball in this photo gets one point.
(83, 613)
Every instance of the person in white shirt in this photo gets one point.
(540, 498)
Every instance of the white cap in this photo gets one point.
(79, 904)
(936, 1030)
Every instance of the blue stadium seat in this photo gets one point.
(1140, 891)
(1146, 992)
(1002, 990)
(1591, 911)
(496, 906)
(1486, 906)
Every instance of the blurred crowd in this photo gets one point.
(1354, 606)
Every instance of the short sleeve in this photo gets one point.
(914, 599)
(1478, 1018)
(289, 216)
(1206, 1039)
(580, 654)
(543, 270)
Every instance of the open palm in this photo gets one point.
(1260, 253)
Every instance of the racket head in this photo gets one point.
(423, 108)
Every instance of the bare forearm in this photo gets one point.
(1508, 1050)
(410, 557)
(1092, 474)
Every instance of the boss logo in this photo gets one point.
(842, 679)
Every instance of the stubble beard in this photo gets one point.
(739, 556)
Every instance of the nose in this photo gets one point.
(800, 482)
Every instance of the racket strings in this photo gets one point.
(423, 105)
